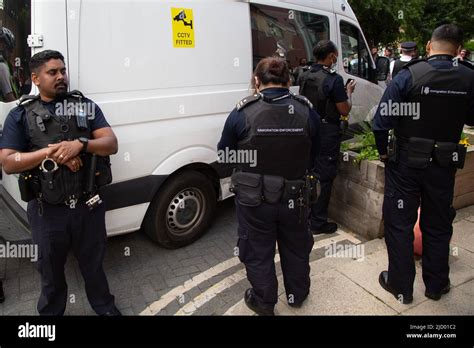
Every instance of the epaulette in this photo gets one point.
(466, 64)
(75, 94)
(329, 70)
(302, 99)
(25, 99)
(413, 62)
(247, 101)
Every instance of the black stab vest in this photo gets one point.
(312, 88)
(281, 136)
(444, 96)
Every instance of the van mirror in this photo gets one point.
(383, 68)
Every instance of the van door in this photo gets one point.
(357, 64)
(15, 23)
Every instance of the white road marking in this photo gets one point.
(229, 281)
(212, 292)
(173, 294)
(240, 309)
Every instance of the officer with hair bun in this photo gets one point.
(273, 196)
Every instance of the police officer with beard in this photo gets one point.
(59, 142)
(325, 89)
(273, 196)
(421, 162)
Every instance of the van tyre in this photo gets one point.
(181, 211)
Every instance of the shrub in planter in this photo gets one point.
(358, 190)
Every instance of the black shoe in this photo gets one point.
(250, 302)
(299, 303)
(327, 228)
(437, 296)
(383, 280)
(2, 294)
(113, 313)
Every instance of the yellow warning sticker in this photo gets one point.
(183, 27)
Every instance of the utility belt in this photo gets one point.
(421, 151)
(251, 190)
(342, 123)
(57, 184)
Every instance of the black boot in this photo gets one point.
(250, 302)
(327, 228)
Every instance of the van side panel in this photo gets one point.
(166, 105)
(162, 100)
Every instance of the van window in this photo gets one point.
(15, 26)
(355, 54)
(286, 33)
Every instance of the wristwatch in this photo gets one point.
(84, 142)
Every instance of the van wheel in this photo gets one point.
(181, 211)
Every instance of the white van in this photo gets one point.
(167, 74)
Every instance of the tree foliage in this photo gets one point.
(386, 22)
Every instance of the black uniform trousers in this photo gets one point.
(326, 169)
(58, 230)
(405, 189)
(260, 229)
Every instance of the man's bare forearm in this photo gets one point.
(21, 161)
(104, 146)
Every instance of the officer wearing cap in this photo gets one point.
(59, 143)
(421, 161)
(273, 194)
(409, 52)
(325, 89)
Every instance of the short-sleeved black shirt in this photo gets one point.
(15, 130)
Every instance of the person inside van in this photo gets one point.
(8, 90)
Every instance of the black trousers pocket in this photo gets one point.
(273, 188)
(419, 152)
(445, 154)
(292, 189)
(248, 188)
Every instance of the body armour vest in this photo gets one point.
(280, 136)
(68, 122)
(312, 88)
(442, 97)
(397, 67)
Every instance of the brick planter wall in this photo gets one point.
(357, 195)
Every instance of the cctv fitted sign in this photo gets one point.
(183, 27)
